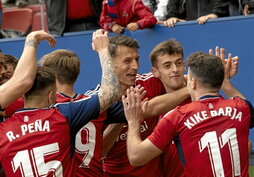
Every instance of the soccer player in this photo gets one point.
(39, 140)
(66, 65)
(24, 74)
(116, 162)
(88, 140)
(213, 131)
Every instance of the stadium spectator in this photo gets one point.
(55, 127)
(73, 15)
(120, 14)
(158, 7)
(248, 7)
(201, 10)
(198, 125)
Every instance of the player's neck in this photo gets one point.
(38, 102)
(124, 89)
(66, 89)
(204, 92)
(170, 90)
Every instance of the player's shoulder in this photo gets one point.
(144, 77)
(93, 90)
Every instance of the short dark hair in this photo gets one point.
(65, 64)
(45, 78)
(11, 60)
(116, 41)
(207, 69)
(170, 47)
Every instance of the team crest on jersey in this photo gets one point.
(210, 106)
(26, 118)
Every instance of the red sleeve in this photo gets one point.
(13, 107)
(147, 19)
(106, 22)
(164, 132)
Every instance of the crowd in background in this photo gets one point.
(117, 15)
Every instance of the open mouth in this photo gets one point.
(131, 75)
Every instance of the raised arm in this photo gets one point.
(163, 103)
(227, 87)
(24, 74)
(110, 90)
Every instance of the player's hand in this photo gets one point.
(132, 26)
(38, 36)
(203, 19)
(172, 21)
(100, 41)
(117, 28)
(132, 106)
(230, 64)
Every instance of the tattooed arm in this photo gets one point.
(110, 90)
(24, 74)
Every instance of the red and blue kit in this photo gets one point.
(213, 134)
(41, 142)
(89, 139)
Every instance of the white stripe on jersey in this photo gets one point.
(92, 92)
(144, 77)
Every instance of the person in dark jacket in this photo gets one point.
(73, 15)
(200, 10)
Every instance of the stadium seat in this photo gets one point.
(36, 24)
(17, 19)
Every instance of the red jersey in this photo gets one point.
(88, 144)
(127, 11)
(213, 134)
(40, 142)
(116, 162)
(170, 161)
(13, 107)
(78, 9)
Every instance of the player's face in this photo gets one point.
(170, 70)
(126, 65)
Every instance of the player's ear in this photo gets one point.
(52, 97)
(155, 72)
(193, 83)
